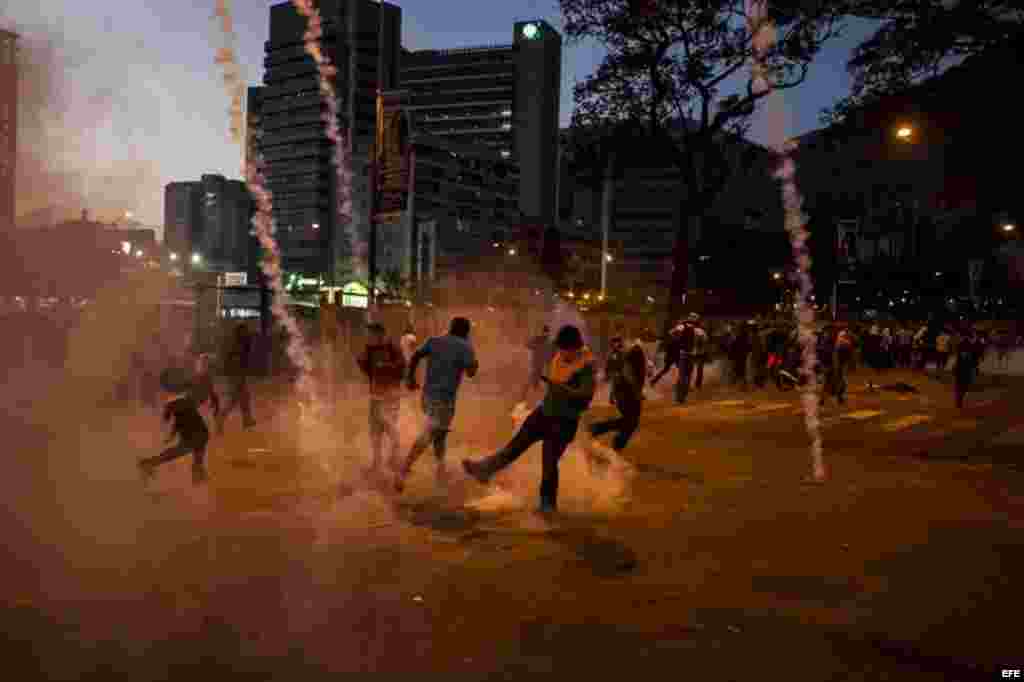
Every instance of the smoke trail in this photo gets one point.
(763, 38)
(326, 72)
(263, 220)
(228, 62)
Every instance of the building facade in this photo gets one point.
(642, 204)
(8, 126)
(362, 39)
(504, 98)
(207, 224)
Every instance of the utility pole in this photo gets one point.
(607, 196)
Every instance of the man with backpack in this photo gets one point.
(627, 378)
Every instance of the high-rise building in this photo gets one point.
(210, 219)
(8, 125)
(505, 97)
(362, 39)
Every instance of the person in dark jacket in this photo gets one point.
(739, 353)
(182, 411)
(968, 359)
(384, 366)
(673, 347)
(237, 365)
(627, 396)
(570, 389)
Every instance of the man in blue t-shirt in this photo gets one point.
(448, 358)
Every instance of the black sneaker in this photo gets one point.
(477, 471)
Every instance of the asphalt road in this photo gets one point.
(706, 555)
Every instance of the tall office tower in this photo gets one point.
(209, 218)
(505, 97)
(8, 125)
(362, 39)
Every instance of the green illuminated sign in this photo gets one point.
(531, 31)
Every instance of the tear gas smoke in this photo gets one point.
(232, 72)
(764, 37)
(326, 71)
(263, 220)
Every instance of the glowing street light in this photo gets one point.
(905, 133)
(196, 259)
(511, 252)
(138, 253)
(777, 275)
(1009, 227)
(608, 258)
(174, 256)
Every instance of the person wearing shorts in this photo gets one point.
(448, 357)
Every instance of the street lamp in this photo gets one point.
(777, 276)
(1009, 227)
(196, 259)
(608, 258)
(511, 252)
(174, 256)
(904, 133)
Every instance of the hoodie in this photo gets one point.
(571, 387)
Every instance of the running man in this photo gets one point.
(570, 390)
(627, 379)
(182, 411)
(448, 358)
(382, 363)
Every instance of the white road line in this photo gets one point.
(906, 422)
(861, 415)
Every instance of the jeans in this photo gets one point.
(439, 420)
(626, 425)
(556, 433)
(686, 365)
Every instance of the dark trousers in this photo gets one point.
(195, 446)
(739, 370)
(238, 396)
(686, 365)
(964, 377)
(669, 364)
(555, 432)
(699, 364)
(624, 426)
(384, 422)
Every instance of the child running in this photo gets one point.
(186, 423)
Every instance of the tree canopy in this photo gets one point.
(677, 72)
(918, 39)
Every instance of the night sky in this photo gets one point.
(143, 104)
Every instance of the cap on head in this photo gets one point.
(569, 338)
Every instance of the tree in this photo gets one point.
(919, 39)
(667, 76)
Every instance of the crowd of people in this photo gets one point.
(754, 354)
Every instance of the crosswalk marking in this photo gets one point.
(906, 422)
(860, 415)
(772, 407)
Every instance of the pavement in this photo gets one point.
(703, 553)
